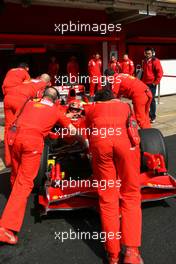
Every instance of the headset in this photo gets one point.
(153, 52)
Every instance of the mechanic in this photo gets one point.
(111, 154)
(15, 76)
(14, 100)
(127, 65)
(114, 65)
(132, 88)
(73, 69)
(33, 125)
(152, 74)
(53, 69)
(94, 69)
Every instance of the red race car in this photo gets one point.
(65, 180)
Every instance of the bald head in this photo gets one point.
(45, 77)
(51, 93)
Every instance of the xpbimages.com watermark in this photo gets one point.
(102, 132)
(83, 79)
(82, 235)
(88, 183)
(102, 28)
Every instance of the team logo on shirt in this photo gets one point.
(43, 103)
(131, 77)
(39, 105)
(46, 102)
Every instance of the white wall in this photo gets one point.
(168, 82)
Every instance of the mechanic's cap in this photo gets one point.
(76, 104)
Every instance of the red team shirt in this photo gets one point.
(128, 86)
(115, 66)
(41, 116)
(94, 67)
(73, 68)
(152, 71)
(127, 66)
(13, 78)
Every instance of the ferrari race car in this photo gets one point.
(65, 180)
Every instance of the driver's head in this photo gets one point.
(51, 93)
(105, 94)
(75, 106)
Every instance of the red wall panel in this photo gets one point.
(41, 19)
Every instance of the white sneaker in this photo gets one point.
(153, 121)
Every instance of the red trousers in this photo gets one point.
(26, 153)
(141, 105)
(113, 159)
(94, 81)
(11, 105)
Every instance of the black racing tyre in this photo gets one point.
(152, 141)
(41, 176)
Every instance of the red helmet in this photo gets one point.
(75, 105)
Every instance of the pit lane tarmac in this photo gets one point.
(37, 243)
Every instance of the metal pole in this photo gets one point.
(159, 92)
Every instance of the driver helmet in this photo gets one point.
(75, 106)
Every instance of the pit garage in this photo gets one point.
(28, 33)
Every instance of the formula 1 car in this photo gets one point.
(65, 179)
(70, 90)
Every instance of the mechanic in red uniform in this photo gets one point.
(15, 76)
(132, 88)
(14, 100)
(34, 124)
(94, 69)
(73, 69)
(127, 65)
(114, 158)
(53, 70)
(152, 74)
(114, 65)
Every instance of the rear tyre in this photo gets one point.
(152, 141)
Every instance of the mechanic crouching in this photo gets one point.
(26, 139)
(116, 157)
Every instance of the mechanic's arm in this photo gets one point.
(27, 77)
(64, 121)
(116, 86)
(159, 72)
(119, 66)
(131, 68)
(78, 135)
